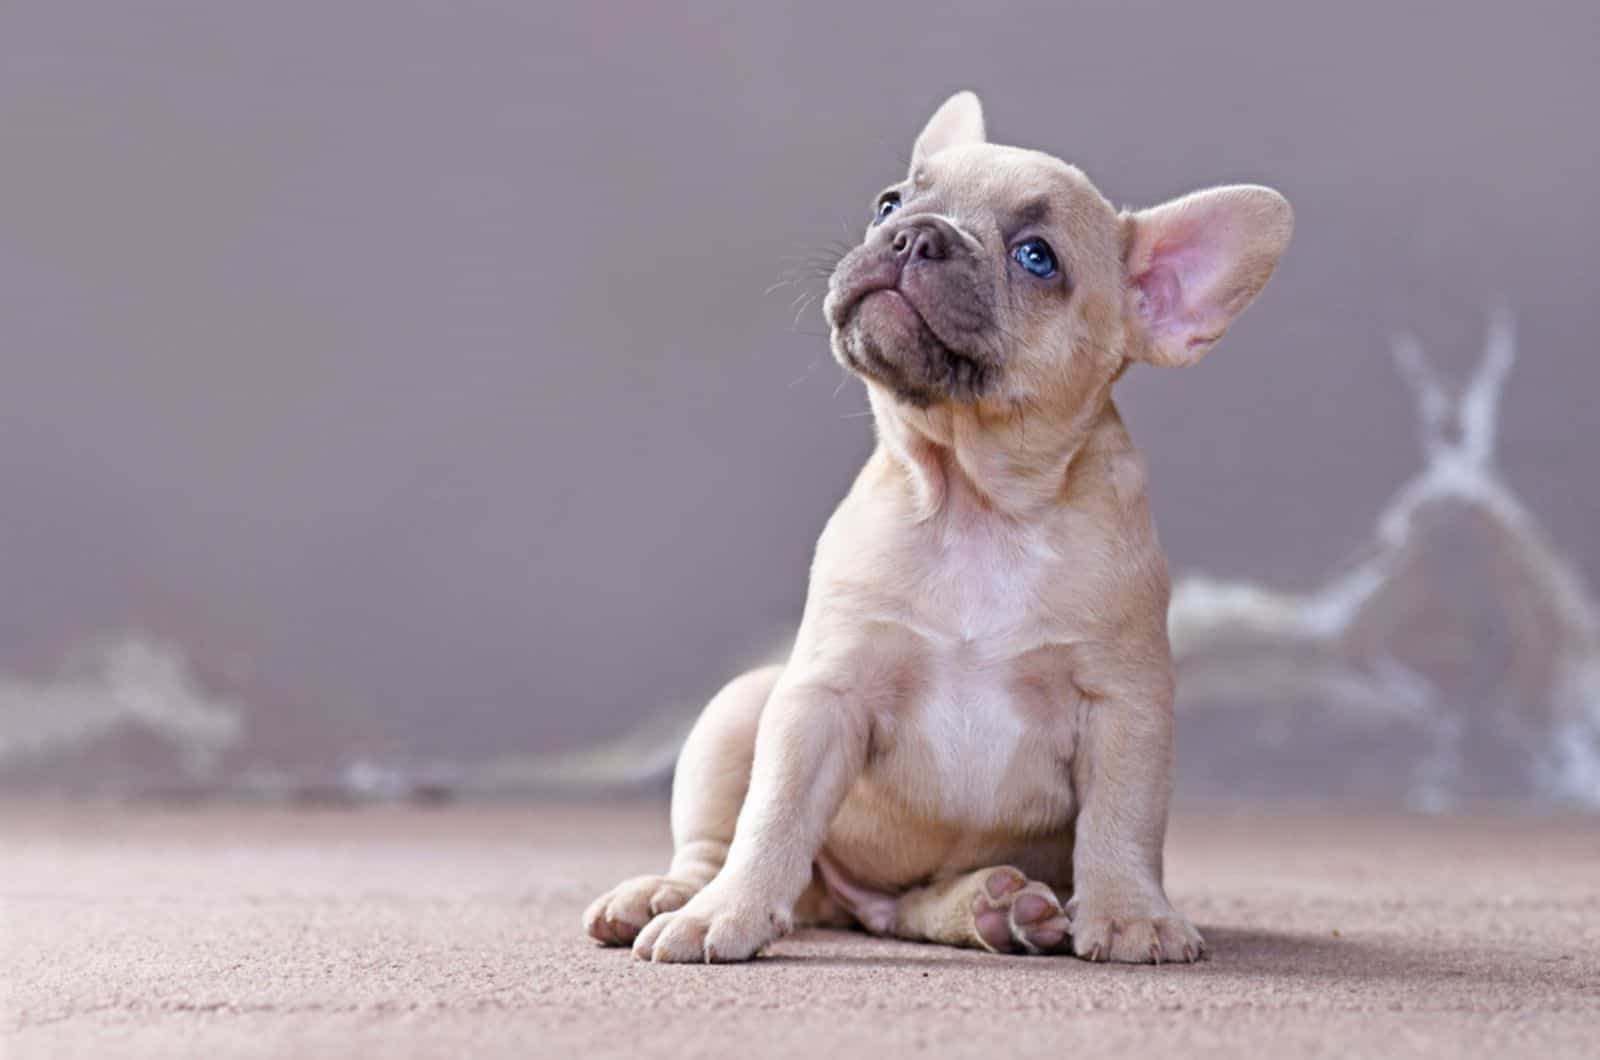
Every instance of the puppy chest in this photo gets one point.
(983, 594)
(978, 749)
(993, 589)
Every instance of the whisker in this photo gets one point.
(803, 376)
(806, 299)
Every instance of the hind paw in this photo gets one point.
(1013, 914)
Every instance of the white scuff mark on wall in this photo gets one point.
(1459, 479)
(109, 689)
(1241, 645)
(643, 755)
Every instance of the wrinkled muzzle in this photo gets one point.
(911, 309)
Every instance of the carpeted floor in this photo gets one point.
(226, 932)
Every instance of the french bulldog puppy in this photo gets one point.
(971, 741)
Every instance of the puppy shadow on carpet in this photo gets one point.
(1290, 956)
(1247, 952)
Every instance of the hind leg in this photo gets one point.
(708, 789)
(997, 909)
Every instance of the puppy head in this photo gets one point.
(1000, 276)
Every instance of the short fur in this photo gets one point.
(971, 741)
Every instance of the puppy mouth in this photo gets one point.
(938, 370)
(841, 305)
(896, 304)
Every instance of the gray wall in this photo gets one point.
(402, 383)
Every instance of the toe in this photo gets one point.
(1032, 908)
(1048, 935)
(683, 940)
(621, 926)
(618, 916)
(1037, 922)
(610, 922)
(1136, 939)
(1179, 940)
(1003, 881)
(594, 924)
(644, 945)
(736, 939)
(631, 907)
(1092, 937)
(994, 928)
(1136, 942)
(666, 899)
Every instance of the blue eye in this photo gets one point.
(1036, 256)
(886, 206)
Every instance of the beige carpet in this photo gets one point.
(454, 932)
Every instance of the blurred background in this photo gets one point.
(400, 399)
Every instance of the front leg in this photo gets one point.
(1122, 771)
(810, 747)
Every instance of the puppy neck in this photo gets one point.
(1011, 460)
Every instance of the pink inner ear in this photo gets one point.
(1179, 285)
(1162, 294)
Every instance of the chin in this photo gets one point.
(869, 358)
(886, 341)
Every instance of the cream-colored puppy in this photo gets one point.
(975, 723)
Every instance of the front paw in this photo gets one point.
(714, 927)
(1133, 930)
(617, 917)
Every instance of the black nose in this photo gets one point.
(921, 240)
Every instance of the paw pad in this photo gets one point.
(1013, 914)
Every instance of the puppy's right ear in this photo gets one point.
(958, 121)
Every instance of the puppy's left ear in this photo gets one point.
(959, 120)
(1193, 264)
